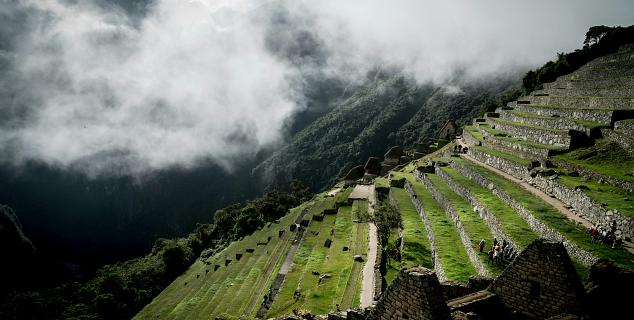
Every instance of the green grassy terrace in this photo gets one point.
(341, 197)
(584, 123)
(504, 155)
(231, 290)
(518, 124)
(610, 196)
(393, 266)
(471, 222)
(605, 157)
(569, 108)
(553, 218)
(416, 249)
(512, 224)
(502, 136)
(475, 132)
(452, 255)
(380, 182)
(344, 283)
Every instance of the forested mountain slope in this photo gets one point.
(392, 110)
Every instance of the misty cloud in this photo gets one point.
(94, 88)
(192, 81)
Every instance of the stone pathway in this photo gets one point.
(556, 203)
(368, 278)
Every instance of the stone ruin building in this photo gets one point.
(449, 130)
(540, 283)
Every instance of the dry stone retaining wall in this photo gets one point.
(536, 225)
(629, 186)
(553, 123)
(452, 290)
(624, 132)
(440, 273)
(590, 84)
(596, 115)
(586, 207)
(469, 138)
(513, 168)
(446, 204)
(625, 142)
(626, 126)
(489, 219)
(517, 147)
(573, 91)
(582, 102)
(549, 137)
(414, 294)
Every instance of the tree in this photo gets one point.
(595, 34)
(387, 218)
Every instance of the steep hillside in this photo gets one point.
(392, 110)
(552, 165)
(303, 261)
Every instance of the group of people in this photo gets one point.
(460, 149)
(608, 237)
(498, 252)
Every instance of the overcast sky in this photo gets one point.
(101, 89)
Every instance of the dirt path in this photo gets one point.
(367, 286)
(556, 203)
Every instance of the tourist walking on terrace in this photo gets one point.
(482, 243)
(490, 254)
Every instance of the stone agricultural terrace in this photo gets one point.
(534, 176)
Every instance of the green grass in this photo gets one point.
(518, 124)
(226, 290)
(452, 255)
(553, 218)
(605, 157)
(569, 108)
(309, 257)
(416, 249)
(342, 196)
(584, 123)
(606, 195)
(380, 182)
(475, 227)
(312, 255)
(475, 132)
(393, 266)
(511, 223)
(501, 136)
(360, 211)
